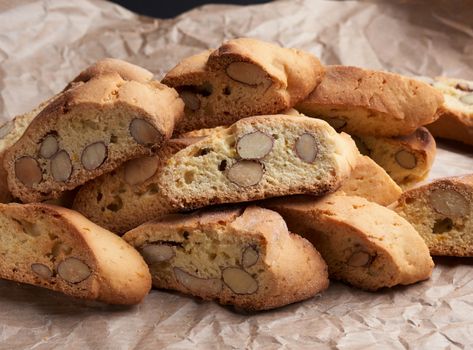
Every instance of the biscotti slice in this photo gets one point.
(365, 244)
(59, 249)
(456, 115)
(407, 159)
(89, 130)
(242, 78)
(442, 212)
(256, 158)
(246, 258)
(365, 102)
(129, 195)
(370, 181)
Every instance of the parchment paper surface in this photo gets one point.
(44, 44)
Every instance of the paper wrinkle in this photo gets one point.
(44, 44)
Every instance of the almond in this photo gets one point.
(449, 202)
(140, 169)
(61, 166)
(94, 155)
(306, 148)
(197, 285)
(156, 253)
(27, 171)
(144, 132)
(406, 159)
(255, 145)
(245, 173)
(49, 147)
(247, 73)
(239, 281)
(249, 257)
(360, 259)
(42, 270)
(467, 99)
(73, 270)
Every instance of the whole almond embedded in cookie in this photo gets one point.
(139, 170)
(49, 147)
(359, 259)
(306, 148)
(144, 132)
(61, 166)
(27, 170)
(156, 253)
(42, 270)
(196, 284)
(249, 257)
(467, 99)
(449, 202)
(245, 173)
(406, 159)
(73, 270)
(94, 155)
(254, 145)
(247, 73)
(239, 281)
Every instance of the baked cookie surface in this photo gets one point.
(365, 244)
(365, 102)
(59, 249)
(256, 158)
(442, 212)
(242, 257)
(89, 130)
(242, 78)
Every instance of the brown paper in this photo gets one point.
(43, 44)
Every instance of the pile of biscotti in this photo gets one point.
(250, 175)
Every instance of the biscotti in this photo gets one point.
(365, 244)
(256, 158)
(89, 130)
(246, 258)
(370, 181)
(455, 120)
(243, 77)
(129, 195)
(59, 249)
(365, 102)
(407, 159)
(442, 212)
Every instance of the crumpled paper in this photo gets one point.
(44, 44)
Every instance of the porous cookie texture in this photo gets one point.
(370, 181)
(455, 120)
(59, 249)
(129, 195)
(407, 159)
(256, 158)
(366, 102)
(442, 212)
(243, 77)
(89, 130)
(365, 244)
(12, 130)
(246, 258)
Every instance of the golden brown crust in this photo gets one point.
(372, 102)
(444, 232)
(287, 269)
(343, 228)
(290, 76)
(51, 235)
(370, 181)
(455, 120)
(85, 114)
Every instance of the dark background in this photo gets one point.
(169, 9)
